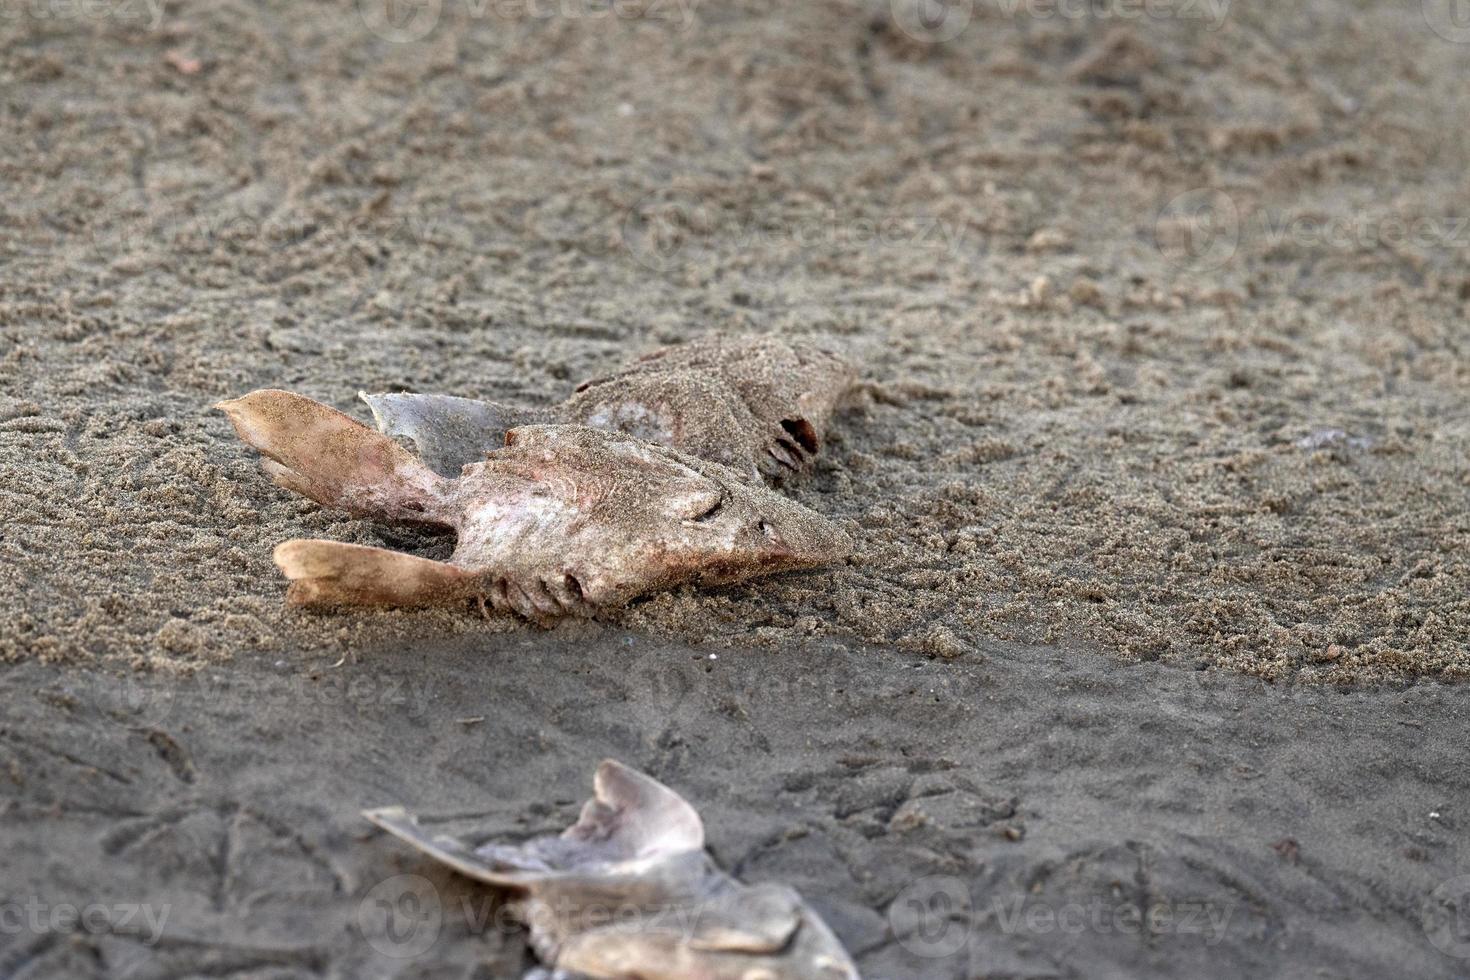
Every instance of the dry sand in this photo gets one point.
(1096, 428)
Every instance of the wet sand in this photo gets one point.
(1052, 814)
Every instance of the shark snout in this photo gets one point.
(814, 545)
(800, 538)
(713, 533)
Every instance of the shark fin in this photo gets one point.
(334, 573)
(443, 848)
(447, 432)
(631, 818)
(634, 817)
(334, 459)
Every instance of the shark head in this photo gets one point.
(615, 517)
(561, 520)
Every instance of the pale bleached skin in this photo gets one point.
(628, 893)
(759, 405)
(559, 521)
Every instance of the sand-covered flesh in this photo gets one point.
(1160, 322)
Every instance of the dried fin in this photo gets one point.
(333, 573)
(334, 459)
(638, 847)
(441, 847)
(632, 819)
(448, 432)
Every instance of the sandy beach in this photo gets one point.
(1150, 658)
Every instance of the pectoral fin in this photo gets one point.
(441, 847)
(447, 432)
(334, 459)
(635, 817)
(632, 819)
(333, 573)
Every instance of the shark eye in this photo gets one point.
(697, 501)
(709, 512)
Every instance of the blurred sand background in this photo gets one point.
(1158, 470)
